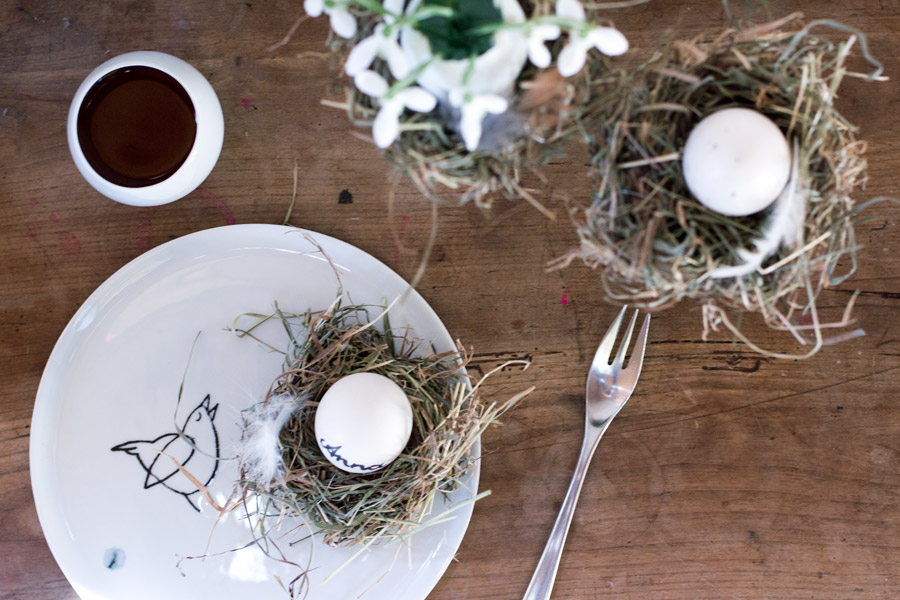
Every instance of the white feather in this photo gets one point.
(259, 449)
(784, 226)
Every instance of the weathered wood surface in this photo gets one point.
(727, 475)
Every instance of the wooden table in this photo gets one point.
(728, 475)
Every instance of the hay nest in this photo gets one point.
(655, 244)
(349, 508)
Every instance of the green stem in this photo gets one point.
(420, 14)
(426, 12)
(570, 24)
(409, 79)
(467, 75)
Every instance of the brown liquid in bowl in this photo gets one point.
(136, 126)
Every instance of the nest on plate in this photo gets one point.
(656, 244)
(390, 504)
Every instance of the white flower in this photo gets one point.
(473, 110)
(386, 126)
(393, 8)
(378, 44)
(537, 37)
(382, 42)
(342, 22)
(607, 40)
(570, 9)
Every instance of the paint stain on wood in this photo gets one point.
(220, 205)
(565, 297)
(754, 540)
(245, 102)
(143, 235)
(225, 211)
(70, 243)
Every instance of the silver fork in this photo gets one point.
(608, 388)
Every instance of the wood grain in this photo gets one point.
(728, 475)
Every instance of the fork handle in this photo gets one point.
(545, 573)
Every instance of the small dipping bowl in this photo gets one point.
(138, 155)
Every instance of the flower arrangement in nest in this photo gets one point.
(458, 93)
(284, 470)
(656, 243)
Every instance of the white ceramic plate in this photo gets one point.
(108, 399)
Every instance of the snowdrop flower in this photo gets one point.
(473, 110)
(382, 42)
(607, 40)
(342, 22)
(537, 36)
(378, 44)
(386, 127)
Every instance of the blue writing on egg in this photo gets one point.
(333, 452)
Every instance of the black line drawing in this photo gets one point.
(195, 447)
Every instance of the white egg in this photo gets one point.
(363, 422)
(736, 161)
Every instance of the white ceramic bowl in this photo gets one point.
(207, 143)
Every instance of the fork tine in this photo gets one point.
(628, 377)
(601, 357)
(623, 347)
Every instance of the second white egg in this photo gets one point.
(736, 161)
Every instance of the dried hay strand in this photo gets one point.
(656, 245)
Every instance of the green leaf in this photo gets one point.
(456, 37)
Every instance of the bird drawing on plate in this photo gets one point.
(196, 448)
